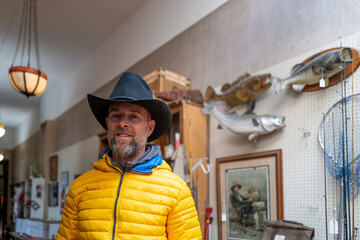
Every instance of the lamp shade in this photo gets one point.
(28, 81)
(2, 130)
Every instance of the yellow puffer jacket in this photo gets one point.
(147, 202)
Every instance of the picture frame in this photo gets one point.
(53, 194)
(53, 167)
(250, 192)
(65, 179)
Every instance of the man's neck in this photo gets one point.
(123, 161)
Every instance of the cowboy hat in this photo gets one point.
(235, 184)
(131, 88)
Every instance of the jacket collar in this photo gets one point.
(143, 165)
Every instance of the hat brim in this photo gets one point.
(159, 111)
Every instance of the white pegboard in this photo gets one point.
(302, 157)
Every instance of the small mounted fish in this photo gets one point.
(318, 70)
(248, 124)
(244, 90)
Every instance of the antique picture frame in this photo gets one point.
(53, 167)
(250, 192)
(65, 179)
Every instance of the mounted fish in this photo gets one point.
(245, 89)
(321, 66)
(248, 124)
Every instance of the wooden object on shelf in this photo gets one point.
(165, 80)
(103, 141)
(192, 126)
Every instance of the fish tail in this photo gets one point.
(279, 84)
(209, 94)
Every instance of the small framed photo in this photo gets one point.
(65, 179)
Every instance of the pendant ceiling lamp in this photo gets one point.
(2, 127)
(2, 130)
(25, 79)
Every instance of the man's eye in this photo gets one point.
(114, 116)
(134, 117)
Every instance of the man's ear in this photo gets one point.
(106, 121)
(151, 127)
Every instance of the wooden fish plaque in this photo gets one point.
(350, 69)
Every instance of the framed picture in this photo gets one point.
(250, 193)
(65, 179)
(53, 194)
(53, 168)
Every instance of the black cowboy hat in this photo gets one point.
(131, 88)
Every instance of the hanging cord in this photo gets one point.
(36, 35)
(352, 142)
(8, 28)
(325, 197)
(30, 31)
(335, 202)
(22, 25)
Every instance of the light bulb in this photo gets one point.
(2, 130)
(1, 156)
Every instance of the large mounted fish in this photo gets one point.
(244, 90)
(248, 124)
(323, 65)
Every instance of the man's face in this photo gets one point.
(129, 126)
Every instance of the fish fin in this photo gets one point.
(255, 122)
(315, 56)
(254, 137)
(219, 126)
(245, 75)
(279, 84)
(250, 107)
(317, 69)
(296, 67)
(225, 87)
(210, 93)
(242, 95)
(208, 107)
(298, 87)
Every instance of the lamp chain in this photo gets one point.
(36, 35)
(20, 32)
(28, 27)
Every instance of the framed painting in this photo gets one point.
(250, 193)
(65, 179)
(53, 168)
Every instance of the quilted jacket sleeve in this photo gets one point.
(69, 222)
(182, 222)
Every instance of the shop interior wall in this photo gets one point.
(239, 37)
(302, 156)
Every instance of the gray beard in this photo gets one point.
(129, 151)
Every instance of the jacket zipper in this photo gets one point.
(117, 196)
(116, 202)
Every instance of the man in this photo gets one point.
(131, 193)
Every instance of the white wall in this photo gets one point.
(76, 159)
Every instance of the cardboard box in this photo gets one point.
(165, 80)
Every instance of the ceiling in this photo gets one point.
(69, 31)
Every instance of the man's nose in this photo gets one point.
(123, 123)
